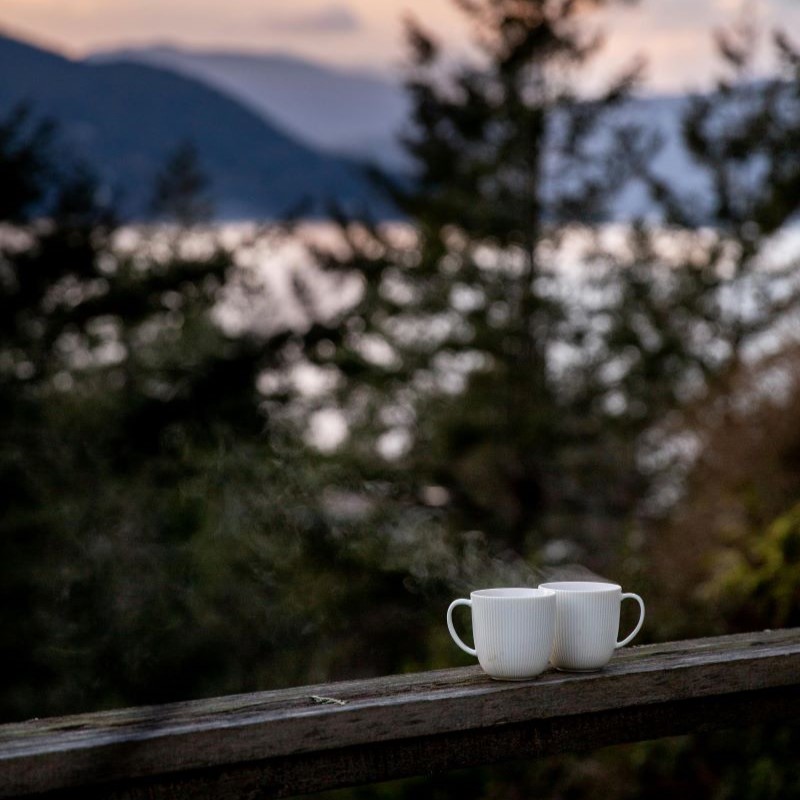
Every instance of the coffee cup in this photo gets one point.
(512, 628)
(587, 623)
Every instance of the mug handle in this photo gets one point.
(638, 624)
(456, 638)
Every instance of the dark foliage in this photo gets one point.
(450, 352)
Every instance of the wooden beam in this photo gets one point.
(279, 743)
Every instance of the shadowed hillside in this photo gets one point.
(332, 109)
(125, 118)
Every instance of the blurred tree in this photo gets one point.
(451, 380)
(700, 306)
(163, 534)
(77, 309)
(713, 329)
(639, 404)
(123, 400)
(23, 165)
(181, 192)
(686, 328)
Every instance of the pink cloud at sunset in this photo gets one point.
(675, 36)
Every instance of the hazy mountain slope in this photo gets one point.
(338, 110)
(124, 118)
(357, 114)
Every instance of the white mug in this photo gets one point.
(587, 623)
(512, 628)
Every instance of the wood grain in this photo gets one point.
(278, 743)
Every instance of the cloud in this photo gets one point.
(329, 19)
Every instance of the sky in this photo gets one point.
(675, 36)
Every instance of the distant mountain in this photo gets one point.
(359, 114)
(263, 124)
(336, 110)
(126, 118)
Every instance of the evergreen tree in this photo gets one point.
(696, 298)
(127, 410)
(181, 192)
(712, 373)
(705, 281)
(450, 358)
(163, 535)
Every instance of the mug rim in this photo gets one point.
(580, 586)
(512, 593)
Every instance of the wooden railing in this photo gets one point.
(293, 741)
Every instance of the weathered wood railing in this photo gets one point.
(279, 743)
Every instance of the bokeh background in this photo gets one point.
(314, 316)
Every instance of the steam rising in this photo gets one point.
(511, 570)
(469, 564)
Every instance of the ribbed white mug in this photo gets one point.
(587, 623)
(512, 628)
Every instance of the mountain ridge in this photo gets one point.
(126, 118)
(314, 109)
(342, 111)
